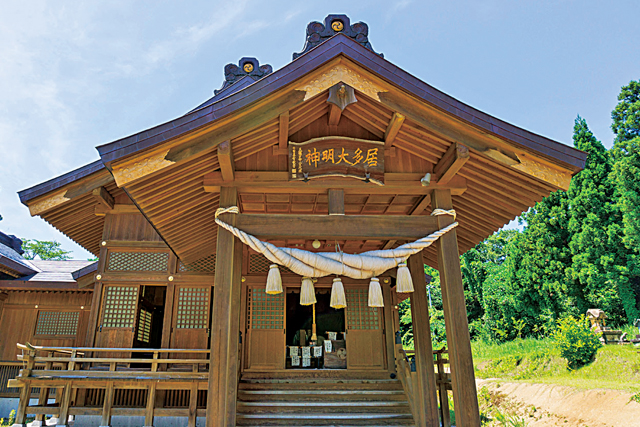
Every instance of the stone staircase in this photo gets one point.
(299, 401)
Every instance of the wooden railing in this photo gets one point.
(84, 382)
(405, 367)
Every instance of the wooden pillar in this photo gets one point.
(63, 416)
(107, 405)
(463, 381)
(225, 322)
(426, 377)
(389, 330)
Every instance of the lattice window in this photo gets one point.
(265, 311)
(120, 303)
(359, 314)
(138, 261)
(193, 308)
(57, 323)
(258, 263)
(144, 326)
(204, 265)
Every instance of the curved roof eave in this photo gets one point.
(334, 47)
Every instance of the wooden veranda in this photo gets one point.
(339, 150)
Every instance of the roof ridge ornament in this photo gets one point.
(247, 66)
(334, 24)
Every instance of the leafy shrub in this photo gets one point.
(576, 341)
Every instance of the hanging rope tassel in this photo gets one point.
(375, 293)
(307, 292)
(338, 299)
(274, 281)
(404, 283)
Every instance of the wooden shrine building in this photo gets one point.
(338, 152)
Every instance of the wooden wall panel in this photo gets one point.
(131, 227)
(18, 322)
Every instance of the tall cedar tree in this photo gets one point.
(596, 279)
(536, 266)
(626, 175)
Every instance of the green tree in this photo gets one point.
(626, 170)
(44, 250)
(530, 291)
(596, 277)
(476, 265)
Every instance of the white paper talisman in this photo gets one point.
(306, 351)
(317, 351)
(327, 346)
(295, 360)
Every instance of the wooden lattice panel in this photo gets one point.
(193, 308)
(265, 311)
(138, 261)
(120, 303)
(144, 326)
(57, 323)
(359, 314)
(258, 263)
(204, 265)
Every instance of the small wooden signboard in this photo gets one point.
(337, 156)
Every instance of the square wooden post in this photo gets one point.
(426, 384)
(225, 322)
(463, 379)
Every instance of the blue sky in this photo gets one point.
(74, 75)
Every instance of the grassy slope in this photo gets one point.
(529, 360)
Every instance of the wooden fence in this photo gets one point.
(130, 382)
(405, 366)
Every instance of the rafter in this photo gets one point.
(225, 159)
(452, 161)
(392, 130)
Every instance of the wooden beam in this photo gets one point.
(275, 182)
(454, 158)
(417, 210)
(51, 200)
(455, 315)
(392, 130)
(282, 149)
(205, 139)
(336, 201)
(120, 209)
(493, 147)
(426, 379)
(103, 197)
(335, 113)
(225, 159)
(223, 379)
(338, 227)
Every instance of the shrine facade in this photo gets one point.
(253, 252)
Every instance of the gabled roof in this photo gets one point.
(341, 45)
(163, 168)
(11, 257)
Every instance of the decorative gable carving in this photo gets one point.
(334, 24)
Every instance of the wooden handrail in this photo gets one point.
(102, 349)
(113, 359)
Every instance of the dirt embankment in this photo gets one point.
(545, 405)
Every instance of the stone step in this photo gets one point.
(312, 386)
(301, 408)
(321, 395)
(323, 419)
